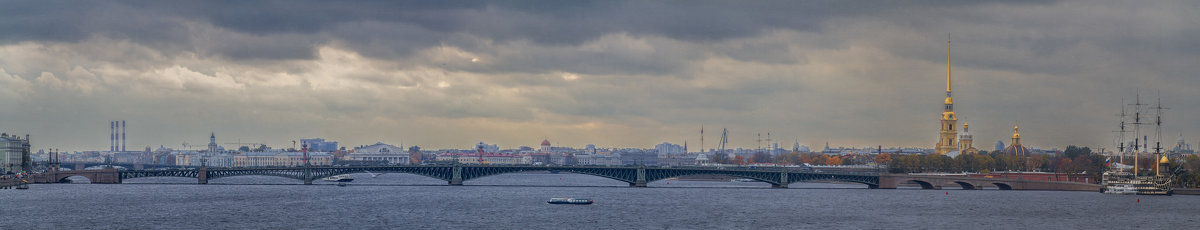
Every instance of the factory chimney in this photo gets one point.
(112, 136)
(123, 129)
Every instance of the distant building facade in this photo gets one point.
(280, 159)
(320, 145)
(379, 152)
(14, 154)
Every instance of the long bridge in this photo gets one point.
(635, 176)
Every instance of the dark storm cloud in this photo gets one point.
(865, 71)
(403, 26)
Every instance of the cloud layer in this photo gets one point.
(610, 73)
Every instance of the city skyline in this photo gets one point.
(615, 74)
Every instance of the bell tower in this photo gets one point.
(947, 135)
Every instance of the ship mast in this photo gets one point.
(1158, 136)
(1137, 128)
(1121, 137)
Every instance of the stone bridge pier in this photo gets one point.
(641, 178)
(97, 176)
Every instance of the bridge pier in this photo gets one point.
(783, 181)
(456, 175)
(202, 175)
(641, 178)
(308, 177)
(886, 181)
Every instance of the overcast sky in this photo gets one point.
(443, 74)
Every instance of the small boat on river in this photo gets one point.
(339, 178)
(569, 201)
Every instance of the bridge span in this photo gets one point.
(635, 176)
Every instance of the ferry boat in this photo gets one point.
(339, 178)
(569, 201)
(1120, 189)
(743, 180)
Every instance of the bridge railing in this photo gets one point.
(727, 168)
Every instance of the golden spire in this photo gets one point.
(1016, 132)
(947, 65)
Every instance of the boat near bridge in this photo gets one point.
(564, 200)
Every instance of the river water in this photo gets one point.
(518, 201)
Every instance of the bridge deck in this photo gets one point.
(635, 176)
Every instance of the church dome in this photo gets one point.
(1016, 150)
(1163, 160)
(545, 142)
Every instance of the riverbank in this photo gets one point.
(1187, 191)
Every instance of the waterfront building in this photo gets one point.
(379, 152)
(598, 159)
(320, 145)
(666, 149)
(14, 154)
(543, 154)
(212, 143)
(947, 134)
(638, 157)
(1016, 149)
(274, 159)
(488, 158)
(545, 146)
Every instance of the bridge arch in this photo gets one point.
(966, 185)
(431, 173)
(755, 178)
(66, 178)
(870, 181)
(1003, 186)
(924, 184)
(770, 177)
(623, 175)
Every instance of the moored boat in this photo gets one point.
(569, 201)
(339, 178)
(1120, 189)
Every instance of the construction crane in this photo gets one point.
(247, 144)
(724, 139)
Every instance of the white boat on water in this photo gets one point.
(565, 200)
(339, 178)
(1120, 189)
(743, 180)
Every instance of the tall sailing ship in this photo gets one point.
(1118, 180)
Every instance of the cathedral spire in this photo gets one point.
(946, 141)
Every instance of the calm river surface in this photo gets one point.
(518, 201)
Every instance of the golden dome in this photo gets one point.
(1016, 132)
(1163, 160)
(949, 100)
